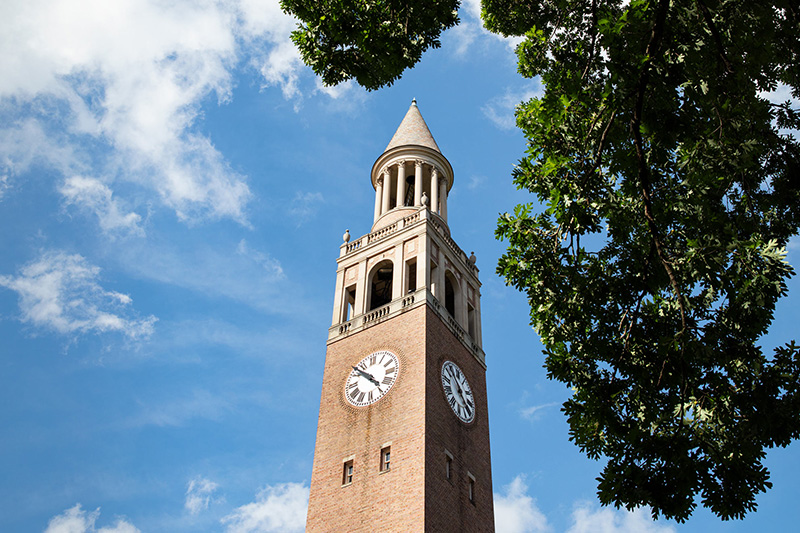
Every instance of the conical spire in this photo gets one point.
(413, 130)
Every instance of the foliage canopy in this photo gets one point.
(373, 41)
(669, 181)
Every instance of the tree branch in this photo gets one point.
(653, 46)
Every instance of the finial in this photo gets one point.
(414, 101)
(346, 236)
(472, 258)
(424, 199)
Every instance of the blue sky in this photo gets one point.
(174, 185)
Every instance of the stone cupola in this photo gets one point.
(410, 173)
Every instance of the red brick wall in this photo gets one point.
(414, 495)
(447, 505)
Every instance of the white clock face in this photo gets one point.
(458, 392)
(371, 378)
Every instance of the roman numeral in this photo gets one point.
(372, 359)
(353, 385)
(452, 401)
(387, 363)
(369, 396)
(362, 365)
(354, 393)
(448, 389)
(361, 397)
(391, 370)
(387, 380)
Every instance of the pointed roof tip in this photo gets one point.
(413, 130)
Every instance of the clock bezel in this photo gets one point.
(354, 377)
(448, 395)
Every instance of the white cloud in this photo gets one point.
(119, 87)
(475, 181)
(199, 494)
(535, 411)
(470, 30)
(588, 518)
(270, 265)
(92, 195)
(500, 109)
(280, 508)
(516, 512)
(199, 404)
(304, 206)
(60, 292)
(76, 520)
(3, 185)
(239, 272)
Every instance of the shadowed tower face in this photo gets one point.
(403, 431)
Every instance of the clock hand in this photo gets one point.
(370, 377)
(455, 380)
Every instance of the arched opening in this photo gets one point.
(450, 286)
(381, 285)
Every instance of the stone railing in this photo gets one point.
(383, 232)
(377, 314)
(453, 246)
(400, 305)
(375, 236)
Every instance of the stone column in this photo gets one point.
(386, 189)
(434, 190)
(378, 197)
(401, 183)
(418, 182)
(443, 199)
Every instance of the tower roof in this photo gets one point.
(413, 130)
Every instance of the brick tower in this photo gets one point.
(403, 432)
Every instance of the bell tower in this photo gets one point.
(403, 432)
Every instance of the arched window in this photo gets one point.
(381, 285)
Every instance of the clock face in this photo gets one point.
(371, 378)
(458, 392)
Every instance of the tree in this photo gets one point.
(373, 41)
(670, 186)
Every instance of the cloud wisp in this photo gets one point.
(199, 494)
(60, 292)
(76, 520)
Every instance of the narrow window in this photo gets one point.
(386, 459)
(409, 200)
(471, 320)
(449, 295)
(471, 487)
(411, 276)
(349, 303)
(433, 281)
(448, 465)
(347, 475)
